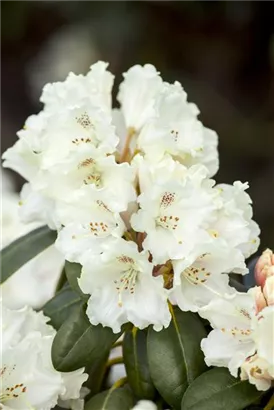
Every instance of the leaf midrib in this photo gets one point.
(215, 394)
(181, 344)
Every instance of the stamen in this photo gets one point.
(128, 278)
(196, 275)
(168, 222)
(11, 391)
(175, 135)
(93, 174)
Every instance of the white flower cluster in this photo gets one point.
(130, 194)
(28, 379)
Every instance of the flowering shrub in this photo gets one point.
(149, 241)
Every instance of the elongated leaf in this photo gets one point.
(79, 343)
(217, 390)
(136, 363)
(62, 281)
(113, 399)
(24, 249)
(61, 306)
(175, 357)
(73, 271)
(97, 373)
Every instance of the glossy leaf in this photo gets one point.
(61, 306)
(217, 390)
(79, 343)
(112, 399)
(73, 271)
(96, 371)
(25, 248)
(175, 357)
(136, 363)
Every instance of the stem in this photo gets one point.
(128, 236)
(117, 344)
(115, 360)
(131, 132)
(270, 404)
(140, 239)
(121, 382)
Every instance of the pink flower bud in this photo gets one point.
(264, 267)
(269, 290)
(260, 302)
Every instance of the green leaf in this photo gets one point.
(136, 363)
(175, 357)
(24, 249)
(218, 390)
(79, 343)
(97, 373)
(240, 287)
(62, 281)
(61, 306)
(112, 399)
(73, 271)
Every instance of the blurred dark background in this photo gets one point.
(222, 52)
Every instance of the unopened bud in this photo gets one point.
(264, 267)
(260, 302)
(269, 290)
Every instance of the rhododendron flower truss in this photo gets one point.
(148, 241)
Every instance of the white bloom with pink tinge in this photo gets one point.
(241, 338)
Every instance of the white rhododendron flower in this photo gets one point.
(28, 379)
(242, 338)
(88, 172)
(234, 219)
(96, 86)
(175, 130)
(87, 227)
(137, 95)
(201, 277)
(174, 212)
(123, 288)
(84, 125)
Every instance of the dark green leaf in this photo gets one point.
(97, 374)
(24, 249)
(112, 399)
(79, 343)
(73, 271)
(62, 281)
(136, 363)
(61, 306)
(218, 390)
(175, 357)
(240, 287)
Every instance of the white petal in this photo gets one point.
(222, 350)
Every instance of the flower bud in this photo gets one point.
(260, 301)
(269, 290)
(264, 267)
